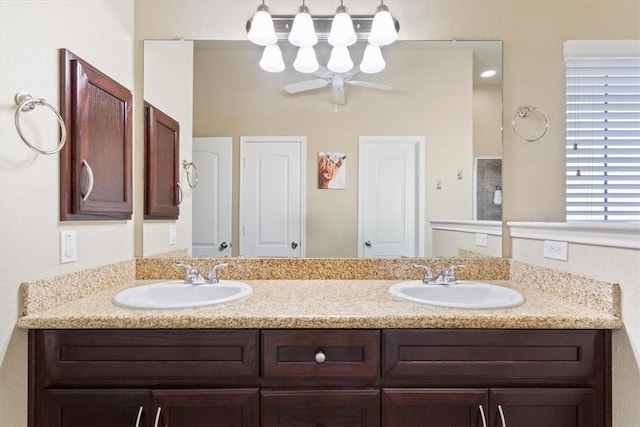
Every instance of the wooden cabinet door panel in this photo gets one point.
(96, 162)
(96, 408)
(549, 407)
(327, 408)
(162, 152)
(207, 408)
(408, 407)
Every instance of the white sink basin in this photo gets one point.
(463, 294)
(177, 294)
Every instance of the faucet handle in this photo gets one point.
(451, 272)
(428, 275)
(192, 273)
(213, 277)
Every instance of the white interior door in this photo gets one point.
(272, 203)
(212, 197)
(391, 197)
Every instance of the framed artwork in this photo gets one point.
(332, 170)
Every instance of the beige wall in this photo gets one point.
(100, 32)
(431, 97)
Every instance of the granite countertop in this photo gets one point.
(323, 304)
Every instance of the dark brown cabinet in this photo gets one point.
(348, 377)
(163, 194)
(95, 163)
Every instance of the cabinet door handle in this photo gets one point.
(85, 194)
(504, 423)
(484, 419)
(320, 357)
(179, 193)
(139, 416)
(155, 424)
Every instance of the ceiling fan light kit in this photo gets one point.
(340, 30)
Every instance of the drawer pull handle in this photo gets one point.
(139, 416)
(504, 423)
(484, 419)
(155, 424)
(320, 357)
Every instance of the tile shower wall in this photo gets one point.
(488, 178)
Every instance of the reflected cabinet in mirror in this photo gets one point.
(342, 170)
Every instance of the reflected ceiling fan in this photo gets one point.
(337, 81)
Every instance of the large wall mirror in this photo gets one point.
(437, 93)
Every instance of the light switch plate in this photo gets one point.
(482, 240)
(68, 252)
(556, 250)
(173, 234)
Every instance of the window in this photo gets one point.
(603, 130)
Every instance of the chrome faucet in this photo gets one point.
(447, 276)
(194, 276)
(213, 275)
(428, 275)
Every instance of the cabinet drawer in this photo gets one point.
(321, 354)
(146, 357)
(491, 356)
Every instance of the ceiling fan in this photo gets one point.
(337, 81)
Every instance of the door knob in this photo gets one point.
(223, 246)
(368, 243)
(294, 244)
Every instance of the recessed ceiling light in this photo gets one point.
(488, 73)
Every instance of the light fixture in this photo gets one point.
(497, 196)
(340, 60)
(262, 31)
(383, 29)
(271, 60)
(303, 32)
(342, 32)
(306, 61)
(372, 60)
(488, 73)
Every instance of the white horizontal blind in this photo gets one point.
(603, 136)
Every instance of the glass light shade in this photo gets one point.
(372, 61)
(271, 60)
(383, 29)
(306, 61)
(262, 31)
(303, 32)
(340, 60)
(342, 32)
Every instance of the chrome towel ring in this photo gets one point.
(27, 103)
(192, 173)
(523, 113)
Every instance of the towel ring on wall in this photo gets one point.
(192, 173)
(27, 103)
(523, 113)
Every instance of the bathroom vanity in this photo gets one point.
(329, 377)
(340, 351)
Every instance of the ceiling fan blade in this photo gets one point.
(306, 85)
(368, 85)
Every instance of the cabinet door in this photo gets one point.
(327, 408)
(163, 194)
(423, 407)
(549, 407)
(96, 162)
(96, 408)
(206, 408)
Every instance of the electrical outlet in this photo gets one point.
(68, 251)
(173, 234)
(482, 240)
(556, 250)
